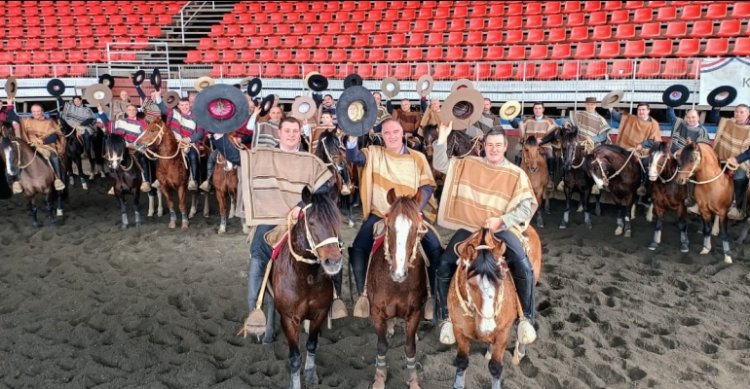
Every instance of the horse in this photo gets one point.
(397, 281)
(74, 149)
(126, 176)
(665, 193)
(225, 181)
(331, 151)
(575, 175)
(483, 276)
(535, 166)
(35, 174)
(713, 190)
(301, 278)
(613, 167)
(158, 141)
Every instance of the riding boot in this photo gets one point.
(206, 185)
(551, 167)
(146, 173)
(57, 167)
(523, 278)
(194, 172)
(358, 260)
(345, 187)
(431, 305)
(740, 190)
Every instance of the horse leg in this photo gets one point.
(221, 199)
(585, 195)
(682, 225)
(620, 223)
(182, 197)
(137, 208)
(628, 232)
(381, 368)
(566, 211)
(123, 211)
(33, 212)
(412, 325)
(151, 200)
(311, 373)
(270, 334)
(598, 209)
(206, 208)
(51, 210)
(172, 213)
(462, 360)
(657, 230)
(496, 361)
(193, 205)
(160, 203)
(79, 166)
(743, 232)
(59, 198)
(706, 234)
(291, 330)
(724, 234)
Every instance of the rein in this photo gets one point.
(469, 306)
(710, 180)
(18, 151)
(310, 241)
(663, 166)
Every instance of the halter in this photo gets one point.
(663, 166)
(310, 241)
(421, 231)
(586, 143)
(157, 140)
(18, 153)
(110, 158)
(474, 142)
(696, 164)
(468, 305)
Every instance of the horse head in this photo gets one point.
(330, 149)
(153, 136)
(481, 257)
(572, 150)
(403, 231)
(689, 161)
(661, 157)
(115, 152)
(321, 222)
(532, 156)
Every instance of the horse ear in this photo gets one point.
(466, 249)
(391, 196)
(306, 195)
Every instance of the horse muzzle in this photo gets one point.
(332, 266)
(398, 278)
(681, 181)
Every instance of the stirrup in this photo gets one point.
(145, 186)
(156, 184)
(694, 209)
(526, 332)
(205, 186)
(17, 188)
(362, 307)
(59, 185)
(255, 324)
(561, 186)
(111, 191)
(338, 309)
(192, 185)
(345, 190)
(446, 333)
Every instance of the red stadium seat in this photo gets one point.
(483, 71)
(600, 17)
(435, 38)
(421, 69)
(57, 57)
(634, 49)
(592, 6)
(474, 53)
(634, 4)
(272, 70)
(661, 48)
(585, 50)
(50, 44)
(291, 71)
(417, 39)
(534, 21)
(495, 53)
(60, 70)
(236, 70)
(553, 20)
(413, 54)
(514, 9)
(381, 71)
(379, 40)
(621, 68)
(513, 22)
(22, 71)
(463, 70)
(702, 29)
(320, 55)
(442, 13)
(602, 33)
(478, 11)
(579, 34)
(503, 71)
(625, 31)
(474, 37)
(516, 53)
(666, 14)
(345, 41)
(691, 12)
(656, 4)
(533, 8)
(534, 36)
(716, 10)
(340, 55)
(571, 70)
(328, 69)
(676, 30)
(537, 52)
(650, 30)
(394, 55)
(716, 47)
(435, 53)
(513, 36)
(476, 24)
(454, 53)
(442, 71)
(729, 28)
(577, 19)
(552, 7)
(495, 23)
(741, 46)
(595, 69)
(77, 56)
(573, 6)
(649, 68)
(561, 51)
(642, 15)
(611, 5)
(376, 55)
(675, 68)
(455, 38)
(364, 70)
(688, 48)
(557, 35)
(494, 37)
(547, 71)
(78, 70)
(610, 49)
(421, 26)
(527, 71)
(741, 10)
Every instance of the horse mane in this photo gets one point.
(485, 263)
(324, 209)
(405, 205)
(320, 151)
(569, 135)
(615, 148)
(664, 147)
(115, 143)
(687, 153)
(532, 141)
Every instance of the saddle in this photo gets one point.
(276, 236)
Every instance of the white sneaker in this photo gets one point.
(145, 187)
(694, 209)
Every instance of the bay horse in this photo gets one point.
(482, 301)
(126, 176)
(713, 190)
(397, 281)
(158, 141)
(74, 154)
(575, 175)
(225, 181)
(35, 174)
(301, 278)
(331, 151)
(612, 167)
(533, 162)
(665, 193)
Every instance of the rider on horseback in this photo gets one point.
(130, 127)
(508, 213)
(326, 125)
(44, 136)
(384, 167)
(187, 131)
(83, 121)
(684, 132)
(733, 138)
(541, 125)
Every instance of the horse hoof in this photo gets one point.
(172, 224)
(351, 224)
(123, 227)
(222, 230)
(653, 246)
(311, 377)
(618, 231)
(684, 248)
(185, 225)
(727, 259)
(59, 212)
(540, 225)
(627, 233)
(563, 226)
(85, 186)
(705, 251)
(206, 215)
(589, 226)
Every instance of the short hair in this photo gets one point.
(328, 95)
(643, 104)
(290, 119)
(488, 99)
(391, 120)
(77, 97)
(184, 99)
(742, 106)
(377, 93)
(493, 132)
(537, 103)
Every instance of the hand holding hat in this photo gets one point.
(443, 131)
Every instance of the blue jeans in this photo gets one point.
(260, 254)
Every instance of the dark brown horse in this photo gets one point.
(713, 190)
(301, 278)
(158, 141)
(482, 300)
(575, 175)
(224, 180)
(34, 173)
(619, 171)
(535, 166)
(74, 155)
(331, 151)
(126, 176)
(397, 281)
(665, 193)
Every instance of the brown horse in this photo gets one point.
(534, 164)
(158, 141)
(713, 190)
(665, 193)
(126, 175)
(614, 168)
(482, 300)
(397, 281)
(224, 180)
(301, 278)
(34, 173)
(331, 151)
(575, 175)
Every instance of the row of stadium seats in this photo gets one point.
(98, 31)
(584, 50)
(14, 9)
(569, 70)
(43, 71)
(18, 25)
(71, 44)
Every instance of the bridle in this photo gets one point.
(468, 306)
(157, 140)
(421, 231)
(113, 157)
(663, 166)
(313, 247)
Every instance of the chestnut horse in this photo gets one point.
(158, 141)
(575, 175)
(34, 173)
(533, 162)
(225, 180)
(482, 300)
(126, 174)
(713, 190)
(614, 168)
(665, 193)
(301, 278)
(397, 281)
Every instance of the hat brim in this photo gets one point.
(510, 110)
(464, 96)
(390, 87)
(55, 87)
(676, 95)
(356, 126)
(107, 80)
(172, 99)
(202, 83)
(254, 87)
(265, 105)
(424, 85)
(462, 84)
(221, 109)
(98, 94)
(304, 107)
(352, 80)
(155, 79)
(612, 98)
(138, 77)
(721, 96)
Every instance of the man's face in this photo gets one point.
(405, 105)
(328, 101)
(691, 118)
(741, 114)
(131, 111)
(184, 106)
(77, 102)
(494, 148)
(643, 112)
(435, 105)
(290, 135)
(275, 114)
(538, 110)
(377, 97)
(124, 96)
(326, 119)
(393, 135)
(487, 105)
(36, 112)
(191, 101)
(590, 107)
